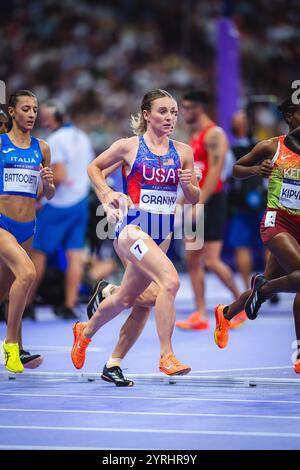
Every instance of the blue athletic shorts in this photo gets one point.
(158, 226)
(22, 231)
(244, 231)
(61, 228)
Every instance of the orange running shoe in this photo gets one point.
(238, 320)
(297, 367)
(172, 366)
(80, 344)
(193, 322)
(222, 327)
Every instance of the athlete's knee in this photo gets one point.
(211, 263)
(126, 301)
(171, 284)
(27, 275)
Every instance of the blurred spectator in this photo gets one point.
(210, 147)
(247, 200)
(62, 222)
(3, 122)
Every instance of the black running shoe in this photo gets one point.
(64, 312)
(255, 299)
(96, 298)
(115, 375)
(30, 361)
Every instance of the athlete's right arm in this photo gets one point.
(112, 157)
(256, 162)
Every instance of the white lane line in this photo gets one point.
(154, 431)
(149, 413)
(126, 397)
(224, 370)
(241, 370)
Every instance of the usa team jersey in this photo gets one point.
(19, 168)
(153, 180)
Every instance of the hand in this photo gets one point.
(265, 168)
(116, 205)
(46, 175)
(185, 177)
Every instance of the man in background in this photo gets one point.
(62, 222)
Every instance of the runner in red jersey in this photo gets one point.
(210, 145)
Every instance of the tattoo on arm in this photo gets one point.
(214, 148)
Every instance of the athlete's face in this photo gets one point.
(47, 119)
(293, 119)
(24, 114)
(190, 111)
(3, 124)
(163, 115)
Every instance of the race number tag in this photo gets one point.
(20, 180)
(139, 249)
(290, 194)
(156, 199)
(270, 219)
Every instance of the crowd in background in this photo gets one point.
(98, 58)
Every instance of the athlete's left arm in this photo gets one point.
(186, 173)
(216, 145)
(46, 172)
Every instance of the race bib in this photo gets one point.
(161, 201)
(270, 219)
(21, 180)
(290, 194)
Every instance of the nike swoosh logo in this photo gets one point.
(287, 156)
(168, 367)
(8, 150)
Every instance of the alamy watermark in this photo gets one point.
(188, 224)
(295, 97)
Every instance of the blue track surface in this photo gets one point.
(56, 414)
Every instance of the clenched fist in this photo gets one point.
(185, 177)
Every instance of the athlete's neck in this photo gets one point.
(156, 142)
(292, 140)
(20, 138)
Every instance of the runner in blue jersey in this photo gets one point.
(24, 161)
(152, 165)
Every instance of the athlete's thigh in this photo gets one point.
(12, 254)
(134, 281)
(148, 296)
(6, 280)
(6, 275)
(286, 251)
(138, 248)
(27, 245)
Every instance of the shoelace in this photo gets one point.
(7, 356)
(174, 361)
